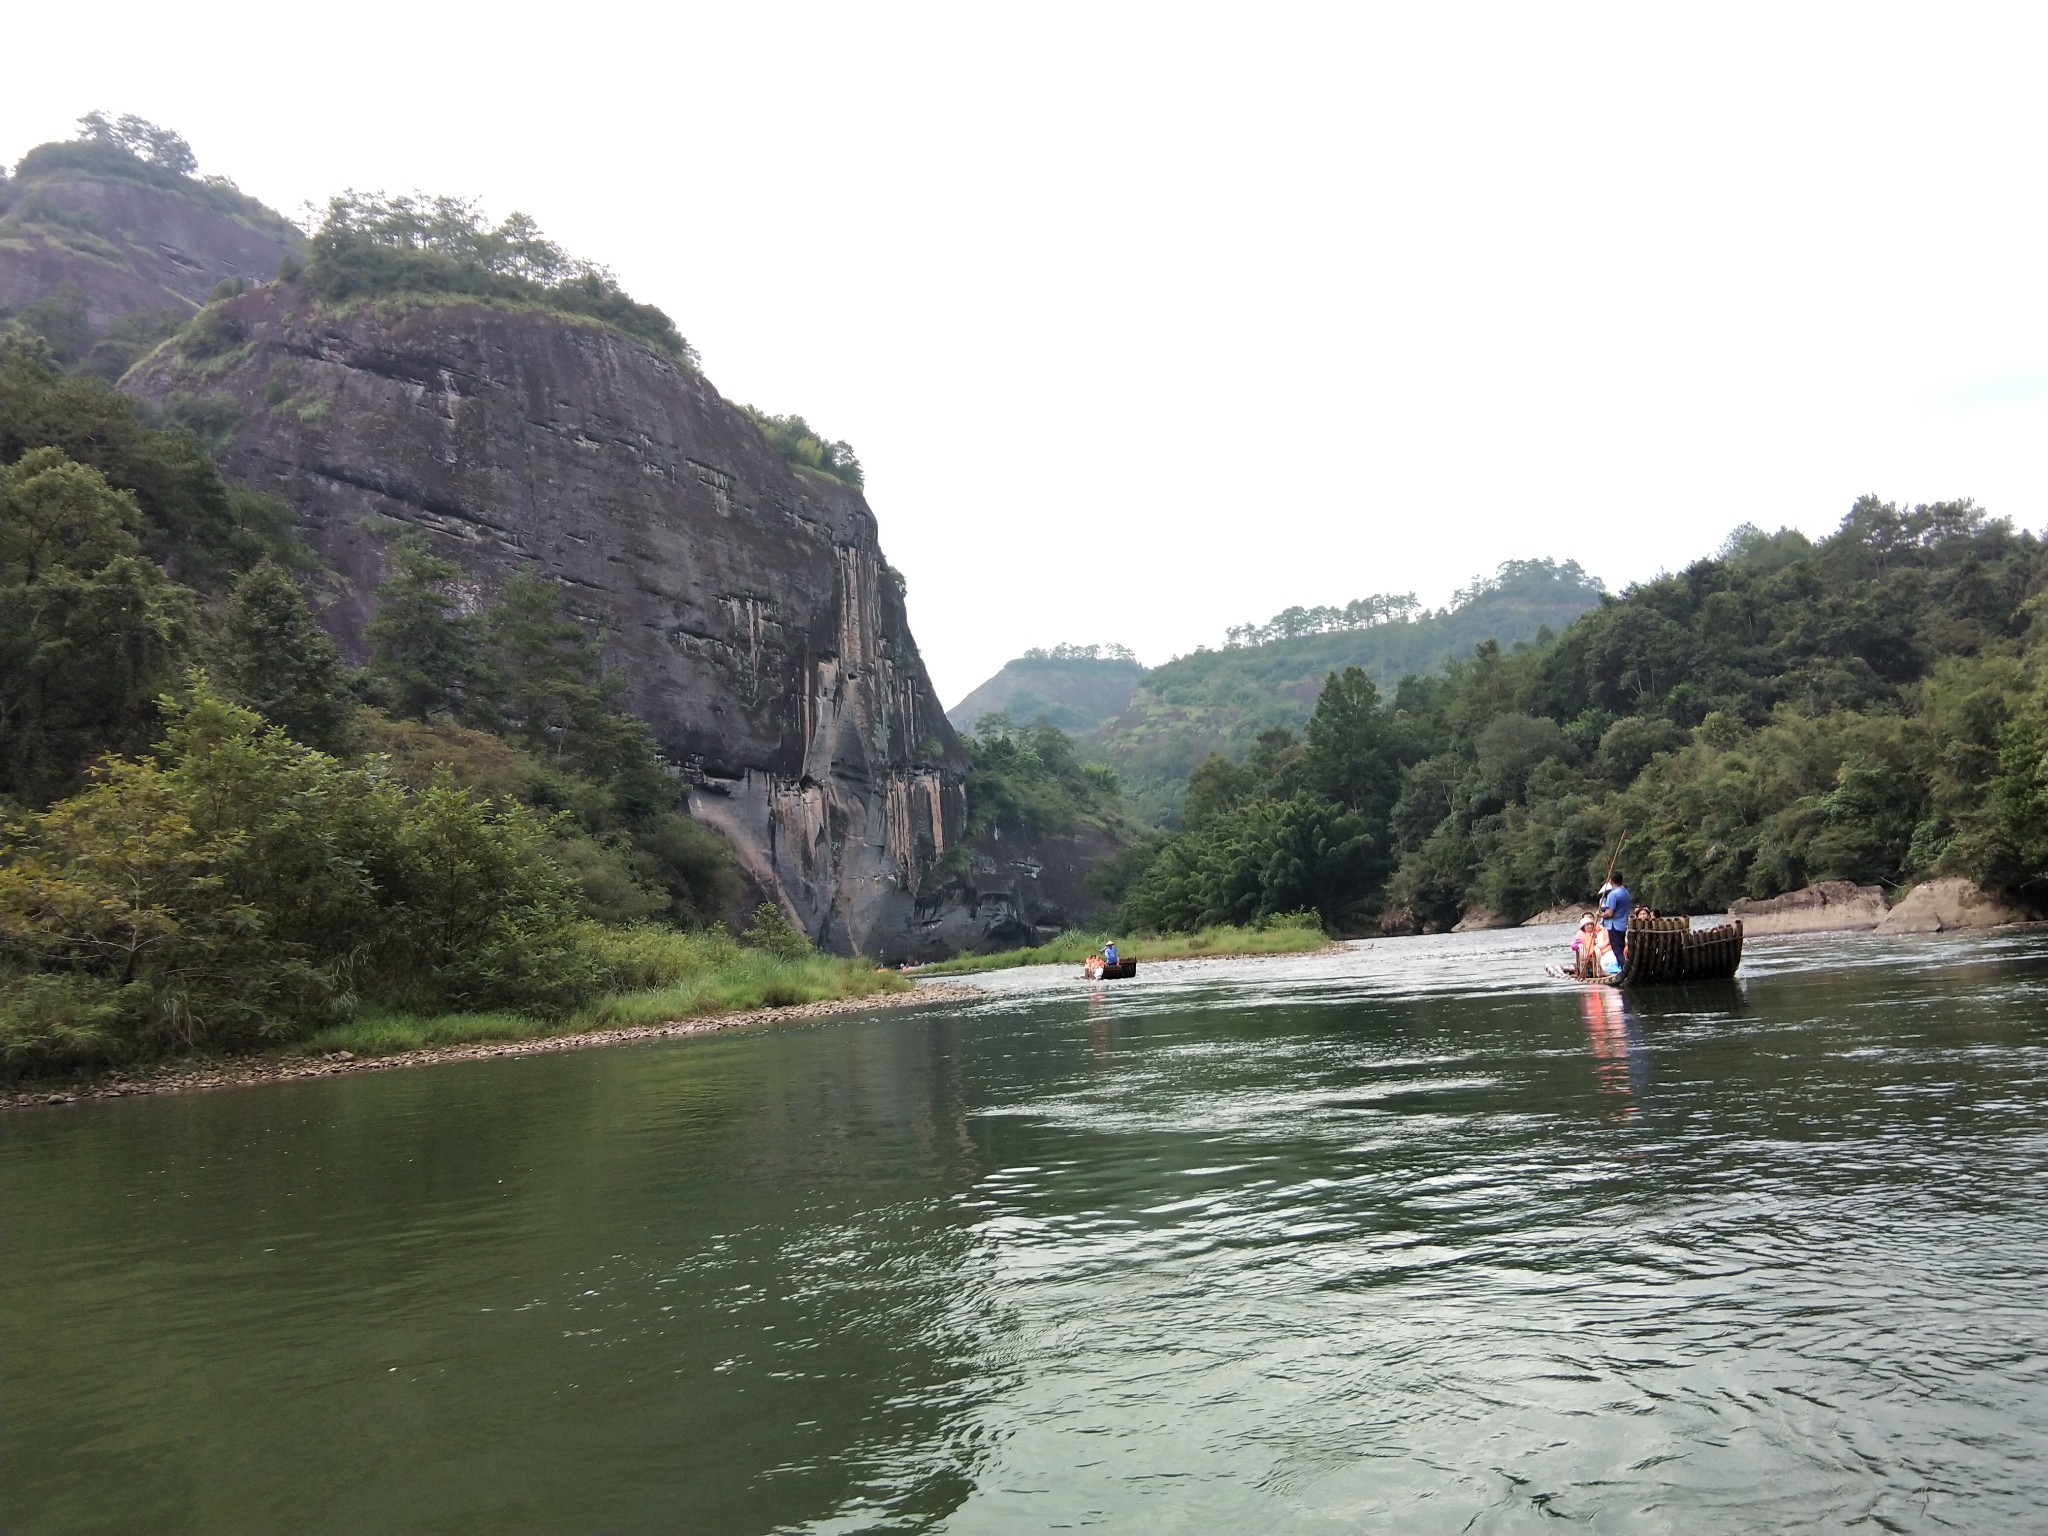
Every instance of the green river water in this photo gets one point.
(1400, 1238)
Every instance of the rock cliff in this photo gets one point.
(746, 602)
(1950, 903)
(1007, 892)
(131, 245)
(1833, 904)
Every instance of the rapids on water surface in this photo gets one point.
(1398, 1237)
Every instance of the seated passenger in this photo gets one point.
(1593, 951)
(1586, 945)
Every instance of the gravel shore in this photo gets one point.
(194, 1077)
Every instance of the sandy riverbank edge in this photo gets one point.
(193, 1077)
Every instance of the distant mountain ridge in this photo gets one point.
(1154, 725)
(1077, 688)
(1221, 700)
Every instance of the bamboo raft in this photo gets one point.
(1666, 949)
(1097, 970)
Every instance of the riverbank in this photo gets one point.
(1223, 942)
(316, 1060)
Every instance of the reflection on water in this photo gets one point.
(1621, 1056)
(1403, 1237)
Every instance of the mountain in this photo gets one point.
(1221, 700)
(1077, 688)
(105, 241)
(425, 380)
(745, 601)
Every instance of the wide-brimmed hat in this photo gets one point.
(1587, 921)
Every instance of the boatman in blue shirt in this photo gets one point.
(1615, 906)
(1109, 953)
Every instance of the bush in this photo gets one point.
(775, 933)
(797, 443)
(238, 888)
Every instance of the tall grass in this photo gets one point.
(1293, 934)
(652, 975)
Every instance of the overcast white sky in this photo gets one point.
(1151, 320)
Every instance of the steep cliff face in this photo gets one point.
(132, 246)
(746, 602)
(1007, 892)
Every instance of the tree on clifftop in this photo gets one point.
(140, 138)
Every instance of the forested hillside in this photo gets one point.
(1873, 708)
(1077, 688)
(1270, 674)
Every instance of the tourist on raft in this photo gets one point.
(1592, 954)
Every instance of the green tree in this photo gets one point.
(424, 654)
(275, 658)
(142, 139)
(235, 885)
(1215, 787)
(1352, 754)
(194, 523)
(370, 244)
(545, 684)
(772, 931)
(798, 443)
(90, 630)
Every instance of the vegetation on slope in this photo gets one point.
(1872, 708)
(1028, 781)
(37, 207)
(1270, 676)
(1078, 688)
(796, 442)
(372, 246)
(129, 148)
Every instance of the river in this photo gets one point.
(1398, 1238)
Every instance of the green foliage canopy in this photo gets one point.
(90, 629)
(796, 442)
(370, 245)
(1869, 708)
(234, 886)
(1029, 781)
(196, 524)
